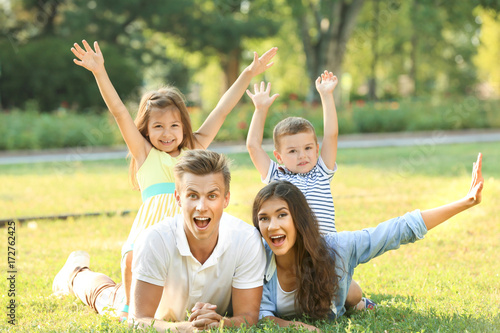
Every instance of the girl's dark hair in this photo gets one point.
(317, 280)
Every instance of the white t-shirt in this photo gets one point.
(162, 257)
(286, 302)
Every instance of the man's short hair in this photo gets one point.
(202, 162)
(291, 126)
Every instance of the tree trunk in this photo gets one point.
(326, 49)
(231, 66)
(414, 46)
(372, 82)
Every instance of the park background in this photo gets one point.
(403, 66)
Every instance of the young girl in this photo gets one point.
(160, 134)
(308, 274)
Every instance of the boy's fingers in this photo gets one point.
(249, 93)
(268, 89)
(262, 86)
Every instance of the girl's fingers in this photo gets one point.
(269, 54)
(76, 53)
(262, 86)
(97, 48)
(249, 94)
(256, 88)
(78, 48)
(87, 46)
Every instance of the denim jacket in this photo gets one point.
(353, 248)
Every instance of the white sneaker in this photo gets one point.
(60, 286)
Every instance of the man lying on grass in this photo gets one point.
(202, 260)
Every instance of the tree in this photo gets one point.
(325, 27)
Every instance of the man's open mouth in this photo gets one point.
(202, 222)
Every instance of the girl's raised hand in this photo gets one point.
(326, 83)
(476, 187)
(260, 97)
(93, 61)
(259, 65)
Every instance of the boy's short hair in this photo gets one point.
(202, 162)
(291, 126)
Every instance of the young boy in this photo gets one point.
(297, 150)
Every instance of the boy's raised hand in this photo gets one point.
(93, 61)
(259, 65)
(476, 187)
(326, 83)
(260, 97)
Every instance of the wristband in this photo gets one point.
(125, 308)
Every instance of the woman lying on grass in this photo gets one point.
(310, 275)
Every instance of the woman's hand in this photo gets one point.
(474, 195)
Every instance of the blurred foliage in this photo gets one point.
(42, 72)
(34, 130)
(395, 48)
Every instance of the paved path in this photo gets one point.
(345, 141)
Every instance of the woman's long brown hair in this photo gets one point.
(317, 280)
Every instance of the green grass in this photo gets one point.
(448, 282)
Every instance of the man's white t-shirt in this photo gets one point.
(162, 257)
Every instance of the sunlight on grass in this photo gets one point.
(447, 282)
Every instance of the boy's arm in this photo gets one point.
(434, 217)
(325, 84)
(262, 102)
(94, 62)
(215, 119)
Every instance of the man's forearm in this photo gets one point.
(161, 325)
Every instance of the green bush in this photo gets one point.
(42, 74)
(32, 130)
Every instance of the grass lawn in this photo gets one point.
(448, 282)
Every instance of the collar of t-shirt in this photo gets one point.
(223, 242)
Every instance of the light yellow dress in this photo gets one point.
(156, 181)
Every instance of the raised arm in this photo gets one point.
(94, 61)
(262, 102)
(325, 84)
(215, 119)
(436, 216)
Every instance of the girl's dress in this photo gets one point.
(156, 181)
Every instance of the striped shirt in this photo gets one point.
(316, 187)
